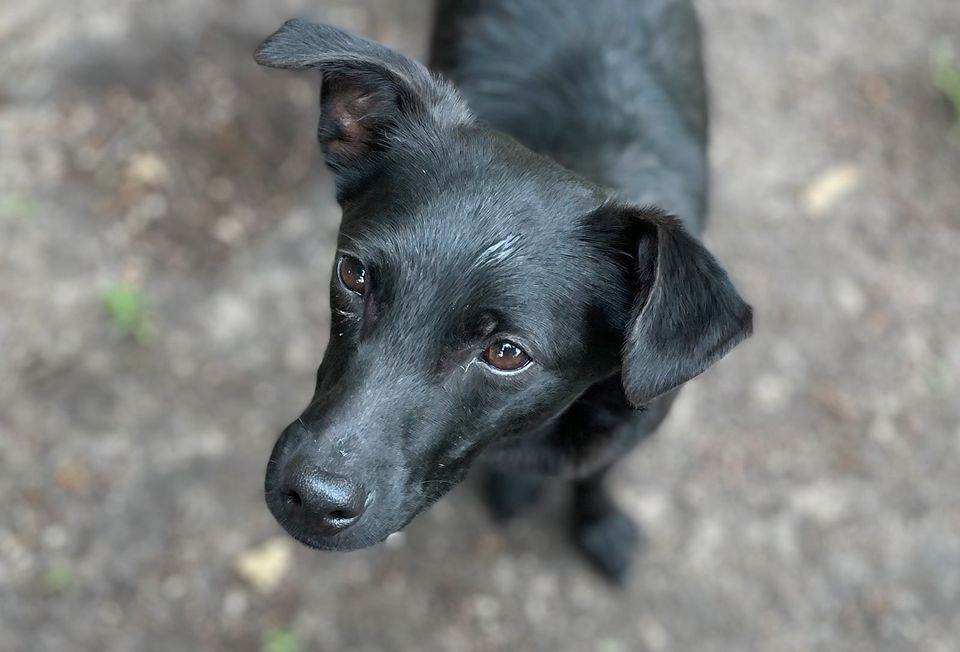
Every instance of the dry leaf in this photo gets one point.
(266, 565)
(74, 476)
(829, 187)
(147, 169)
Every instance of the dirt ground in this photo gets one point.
(165, 241)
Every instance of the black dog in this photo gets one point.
(529, 297)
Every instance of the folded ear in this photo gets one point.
(686, 313)
(369, 94)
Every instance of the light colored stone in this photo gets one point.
(771, 392)
(829, 187)
(265, 566)
(849, 297)
(823, 502)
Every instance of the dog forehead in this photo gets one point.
(473, 262)
(470, 219)
(489, 241)
(501, 229)
(513, 277)
(500, 250)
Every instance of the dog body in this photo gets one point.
(612, 89)
(499, 290)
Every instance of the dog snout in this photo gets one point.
(319, 501)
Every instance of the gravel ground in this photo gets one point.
(165, 237)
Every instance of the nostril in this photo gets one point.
(293, 498)
(313, 500)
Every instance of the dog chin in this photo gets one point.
(354, 538)
(340, 542)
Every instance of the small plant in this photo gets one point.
(945, 75)
(609, 645)
(17, 206)
(127, 310)
(280, 639)
(57, 578)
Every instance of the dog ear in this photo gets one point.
(367, 92)
(686, 313)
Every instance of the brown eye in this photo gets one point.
(506, 356)
(352, 273)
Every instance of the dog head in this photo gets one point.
(478, 290)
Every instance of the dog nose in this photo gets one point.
(320, 501)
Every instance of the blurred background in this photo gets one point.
(166, 233)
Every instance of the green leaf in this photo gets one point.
(280, 639)
(945, 73)
(57, 578)
(17, 206)
(126, 307)
(609, 645)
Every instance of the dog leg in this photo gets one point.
(509, 494)
(604, 534)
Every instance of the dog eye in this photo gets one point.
(352, 274)
(506, 356)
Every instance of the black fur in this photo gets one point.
(547, 237)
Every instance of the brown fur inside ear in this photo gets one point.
(352, 119)
(367, 90)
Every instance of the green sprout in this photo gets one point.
(17, 206)
(57, 578)
(609, 645)
(127, 310)
(280, 639)
(945, 75)
(939, 377)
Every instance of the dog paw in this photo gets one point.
(510, 494)
(610, 541)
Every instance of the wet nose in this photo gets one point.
(320, 501)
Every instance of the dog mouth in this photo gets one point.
(342, 542)
(354, 538)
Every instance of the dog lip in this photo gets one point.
(310, 541)
(333, 543)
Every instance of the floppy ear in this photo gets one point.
(686, 313)
(368, 92)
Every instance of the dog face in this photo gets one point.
(478, 290)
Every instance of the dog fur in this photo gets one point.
(548, 190)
